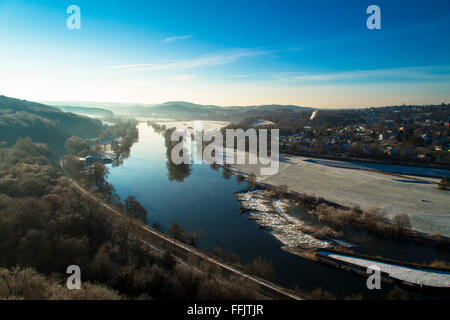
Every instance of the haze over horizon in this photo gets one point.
(105, 104)
(227, 53)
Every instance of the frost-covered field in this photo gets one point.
(189, 125)
(145, 119)
(403, 170)
(426, 205)
(259, 123)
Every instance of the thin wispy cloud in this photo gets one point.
(182, 77)
(130, 66)
(236, 76)
(408, 73)
(204, 61)
(176, 38)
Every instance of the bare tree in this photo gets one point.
(401, 223)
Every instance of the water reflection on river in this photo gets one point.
(204, 201)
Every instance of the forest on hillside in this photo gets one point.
(20, 118)
(46, 225)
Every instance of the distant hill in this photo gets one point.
(187, 110)
(43, 123)
(92, 112)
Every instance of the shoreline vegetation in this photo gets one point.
(372, 220)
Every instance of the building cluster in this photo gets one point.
(420, 133)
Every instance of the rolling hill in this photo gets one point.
(182, 110)
(43, 123)
(90, 112)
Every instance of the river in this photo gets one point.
(204, 201)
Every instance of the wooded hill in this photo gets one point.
(91, 112)
(182, 110)
(42, 123)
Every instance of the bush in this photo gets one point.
(217, 251)
(444, 184)
(26, 283)
(397, 294)
(190, 238)
(262, 268)
(320, 294)
(326, 232)
(401, 223)
(168, 261)
(440, 264)
(232, 257)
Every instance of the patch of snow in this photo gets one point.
(271, 214)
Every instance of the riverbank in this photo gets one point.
(421, 277)
(298, 238)
(425, 205)
(328, 213)
(271, 214)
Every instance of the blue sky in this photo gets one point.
(311, 53)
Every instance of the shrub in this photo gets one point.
(26, 283)
(401, 223)
(397, 294)
(262, 268)
(320, 294)
(168, 261)
(444, 184)
(217, 251)
(326, 232)
(440, 264)
(232, 257)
